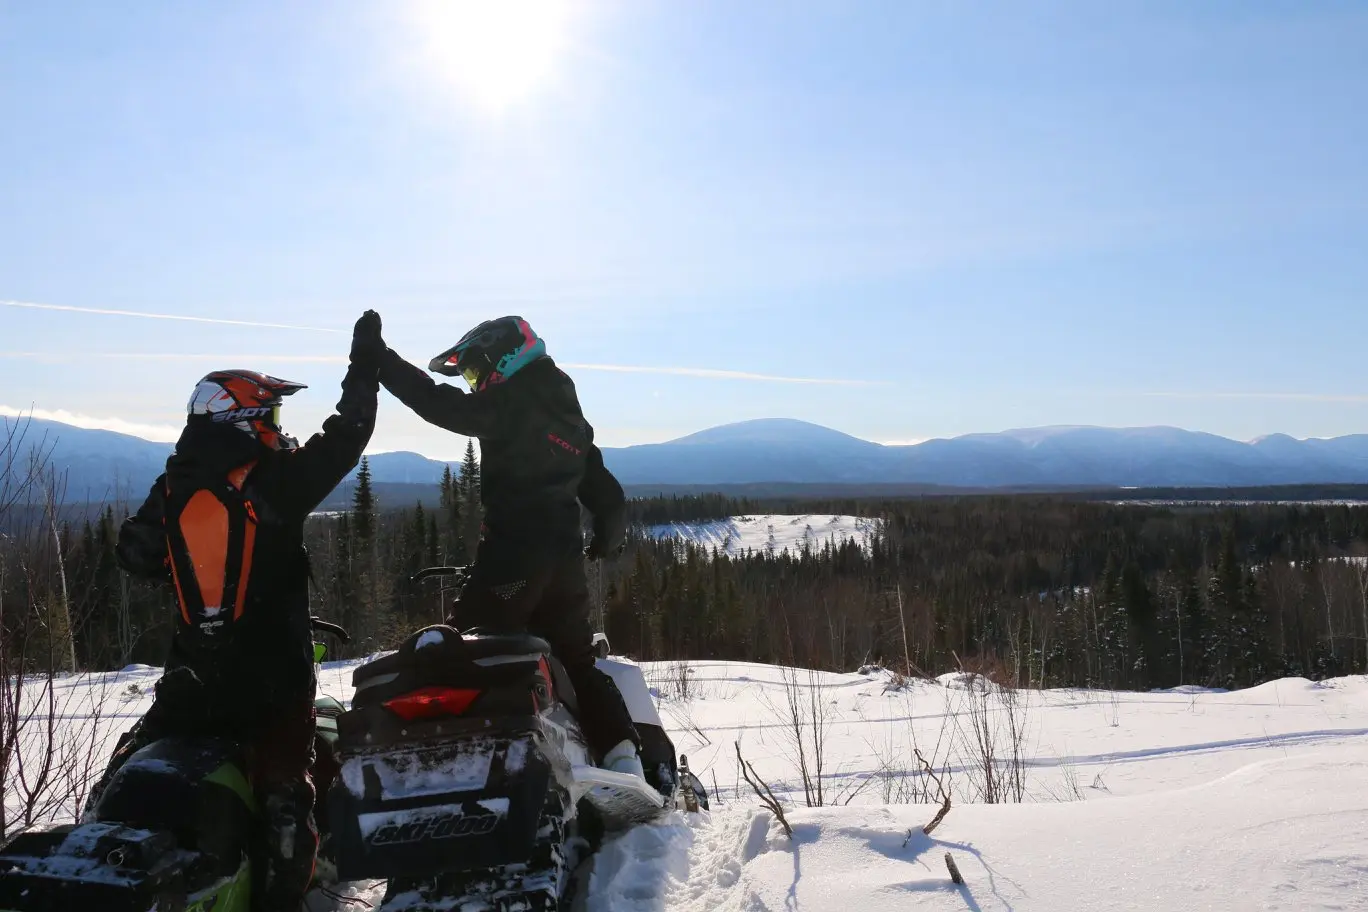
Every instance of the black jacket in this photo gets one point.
(268, 655)
(538, 460)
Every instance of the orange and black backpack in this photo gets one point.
(211, 532)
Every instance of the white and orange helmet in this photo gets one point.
(247, 400)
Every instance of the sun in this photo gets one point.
(494, 53)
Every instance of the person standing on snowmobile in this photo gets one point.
(538, 464)
(225, 526)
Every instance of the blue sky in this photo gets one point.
(969, 217)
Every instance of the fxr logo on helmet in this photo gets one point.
(244, 414)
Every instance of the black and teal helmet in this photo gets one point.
(491, 352)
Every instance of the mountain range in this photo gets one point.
(100, 463)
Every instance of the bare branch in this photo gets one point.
(940, 792)
(762, 790)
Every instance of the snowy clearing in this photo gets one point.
(771, 532)
(1181, 799)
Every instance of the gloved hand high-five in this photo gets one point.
(367, 344)
(609, 538)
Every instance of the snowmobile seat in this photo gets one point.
(441, 655)
(480, 645)
(192, 787)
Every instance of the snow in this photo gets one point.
(429, 638)
(771, 532)
(1270, 836)
(425, 772)
(1187, 798)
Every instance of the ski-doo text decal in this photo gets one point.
(449, 821)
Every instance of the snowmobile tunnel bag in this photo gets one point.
(441, 656)
(455, 805)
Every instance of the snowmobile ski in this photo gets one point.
(621, 799)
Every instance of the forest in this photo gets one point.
(1036, 590)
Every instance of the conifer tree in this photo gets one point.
(363, 504)
(452, 539)
(471, 509)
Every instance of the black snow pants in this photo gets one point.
(278, 743)
(548, 598)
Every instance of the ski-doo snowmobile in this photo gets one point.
(171, 832)
(466, 782)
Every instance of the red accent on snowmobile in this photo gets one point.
(431, 702)
(544, 667)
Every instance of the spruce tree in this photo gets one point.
(363, 504)
(452, 540)
(471, 509)
(1140, 613)
(447, 486)
(432, 551)
(470, 474)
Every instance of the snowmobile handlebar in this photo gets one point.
(336, 630)
(461, 573)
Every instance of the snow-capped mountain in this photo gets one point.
(99, 464)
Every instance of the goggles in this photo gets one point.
(472, 377)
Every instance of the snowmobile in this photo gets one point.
(171, 832)
(466, 782)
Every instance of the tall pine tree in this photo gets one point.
(363, 504)
(452, 538)
(469, 487)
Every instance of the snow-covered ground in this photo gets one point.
(1188, 799)
(771, 532)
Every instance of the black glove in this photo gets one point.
(610, 535)
(367, 344)
(605, 543)
(597, 550)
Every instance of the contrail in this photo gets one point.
(156, 316)
(704, 372)
(1274, 397)
(183, 356)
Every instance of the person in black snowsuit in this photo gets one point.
(538, 463)
(225, 526)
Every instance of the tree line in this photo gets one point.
(1038, 590)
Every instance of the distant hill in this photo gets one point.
(97, 465)
(794, 451)
(105, 465)
(774, 454)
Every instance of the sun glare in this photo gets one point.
(495, 53)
